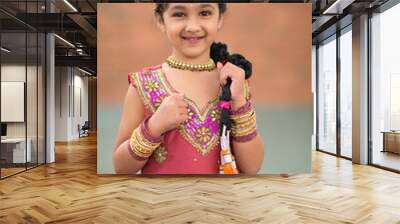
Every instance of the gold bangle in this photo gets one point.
(247, 132)
(243, 115)
(243, 119)
(142, 155)
(248, 124)
(143, 141)
(244, 124)
(244, 132)
(142, 146)
(138, 149)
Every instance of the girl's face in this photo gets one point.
(191, 28)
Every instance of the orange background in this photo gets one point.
(276, 38)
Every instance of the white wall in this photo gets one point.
(80, 84)
(12, 101)
(314, 91)
(61, 103)
(70, 83)
(12, 73)
(33, 127)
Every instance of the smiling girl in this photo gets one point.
(173, 112)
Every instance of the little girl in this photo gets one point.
(173, 113)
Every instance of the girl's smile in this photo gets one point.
(193, 39)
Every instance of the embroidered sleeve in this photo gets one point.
(148, 85)
(135, 81)
(131, 79)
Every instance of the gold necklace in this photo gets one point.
(175, 63)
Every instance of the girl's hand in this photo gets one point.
(171, 113)
(237, 76)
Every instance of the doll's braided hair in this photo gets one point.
(219, 53)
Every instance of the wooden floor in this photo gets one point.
(5, 172)
(70, 191)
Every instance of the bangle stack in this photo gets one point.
(142, 144)
(244, 126)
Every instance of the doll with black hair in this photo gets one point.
(193, 113)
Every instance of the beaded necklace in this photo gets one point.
(175, 63)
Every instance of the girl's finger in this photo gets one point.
(224, 74)
(219, 66)
(222, 80)
(183, 117)
(183, 110)
(184, 104)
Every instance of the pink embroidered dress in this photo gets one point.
(193, 147)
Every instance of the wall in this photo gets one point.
(33, 127)
(17, 73)
(71, 93)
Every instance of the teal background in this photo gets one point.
(286, 132)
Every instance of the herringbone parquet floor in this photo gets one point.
(70, 191)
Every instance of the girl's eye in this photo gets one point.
(178, 14)
(205, 13)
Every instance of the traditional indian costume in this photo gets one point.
(192, 148)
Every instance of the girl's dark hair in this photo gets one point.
(219, 53)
